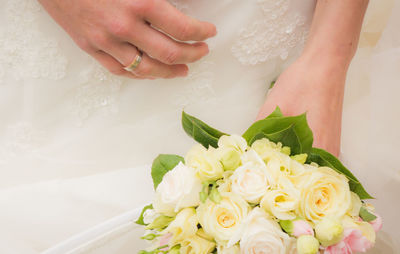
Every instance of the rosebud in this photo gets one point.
(302, 227)
(307, 244)
(329, 231)
(297, 228)
(160, 223)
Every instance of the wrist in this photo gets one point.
(334, 61)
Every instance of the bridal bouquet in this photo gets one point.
(268, 191)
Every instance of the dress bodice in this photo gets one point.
(63, 115)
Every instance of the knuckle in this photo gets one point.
(142, 7)
(119, 29)
(100, 40)
(172, 56)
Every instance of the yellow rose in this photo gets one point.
(283, 201)
(223, 219)
(324, 193)
(196, 245)
(205, 162)
(184, 226)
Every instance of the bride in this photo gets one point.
(76, 139)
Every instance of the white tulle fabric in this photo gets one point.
(73, 138)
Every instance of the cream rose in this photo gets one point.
(184, 226)
(179, 189)
(205, 162)
(283, 201)
(261, 234)
(325, 193)
(223, 219)
(251, 182)
(196, 245)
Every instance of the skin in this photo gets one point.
(315, 82)
(112, 31)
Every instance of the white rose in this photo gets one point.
(251, 182)
(222, 220)
(325, 193)
(179, 188)
(261, 234)
(184, 226)
(283, 201)
(205, 162)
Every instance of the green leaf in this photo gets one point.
(324, 158)
(162, 164)
(287, 137)
(291, 131)
(366, 215)
(277, 113)
(140, 221)
(201, 132)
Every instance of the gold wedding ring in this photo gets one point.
(135, 63)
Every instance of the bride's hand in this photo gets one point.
(113, 31)
(316, 88)
(315, 82)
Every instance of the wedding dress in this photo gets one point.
(76, 143)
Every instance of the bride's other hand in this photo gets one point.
(315, 88)
(314, 83)
(113, 31)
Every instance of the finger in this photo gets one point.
(148, 67)
(165, 49)
(112, 65)
(175, 23)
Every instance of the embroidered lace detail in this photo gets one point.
(98, 90)
(272, 36)
(21, 139)
(25, 52)
(199, 85)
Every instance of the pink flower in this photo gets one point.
(377, 223)
(353, 241)
(302, 227)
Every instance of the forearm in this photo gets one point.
(335, 31)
